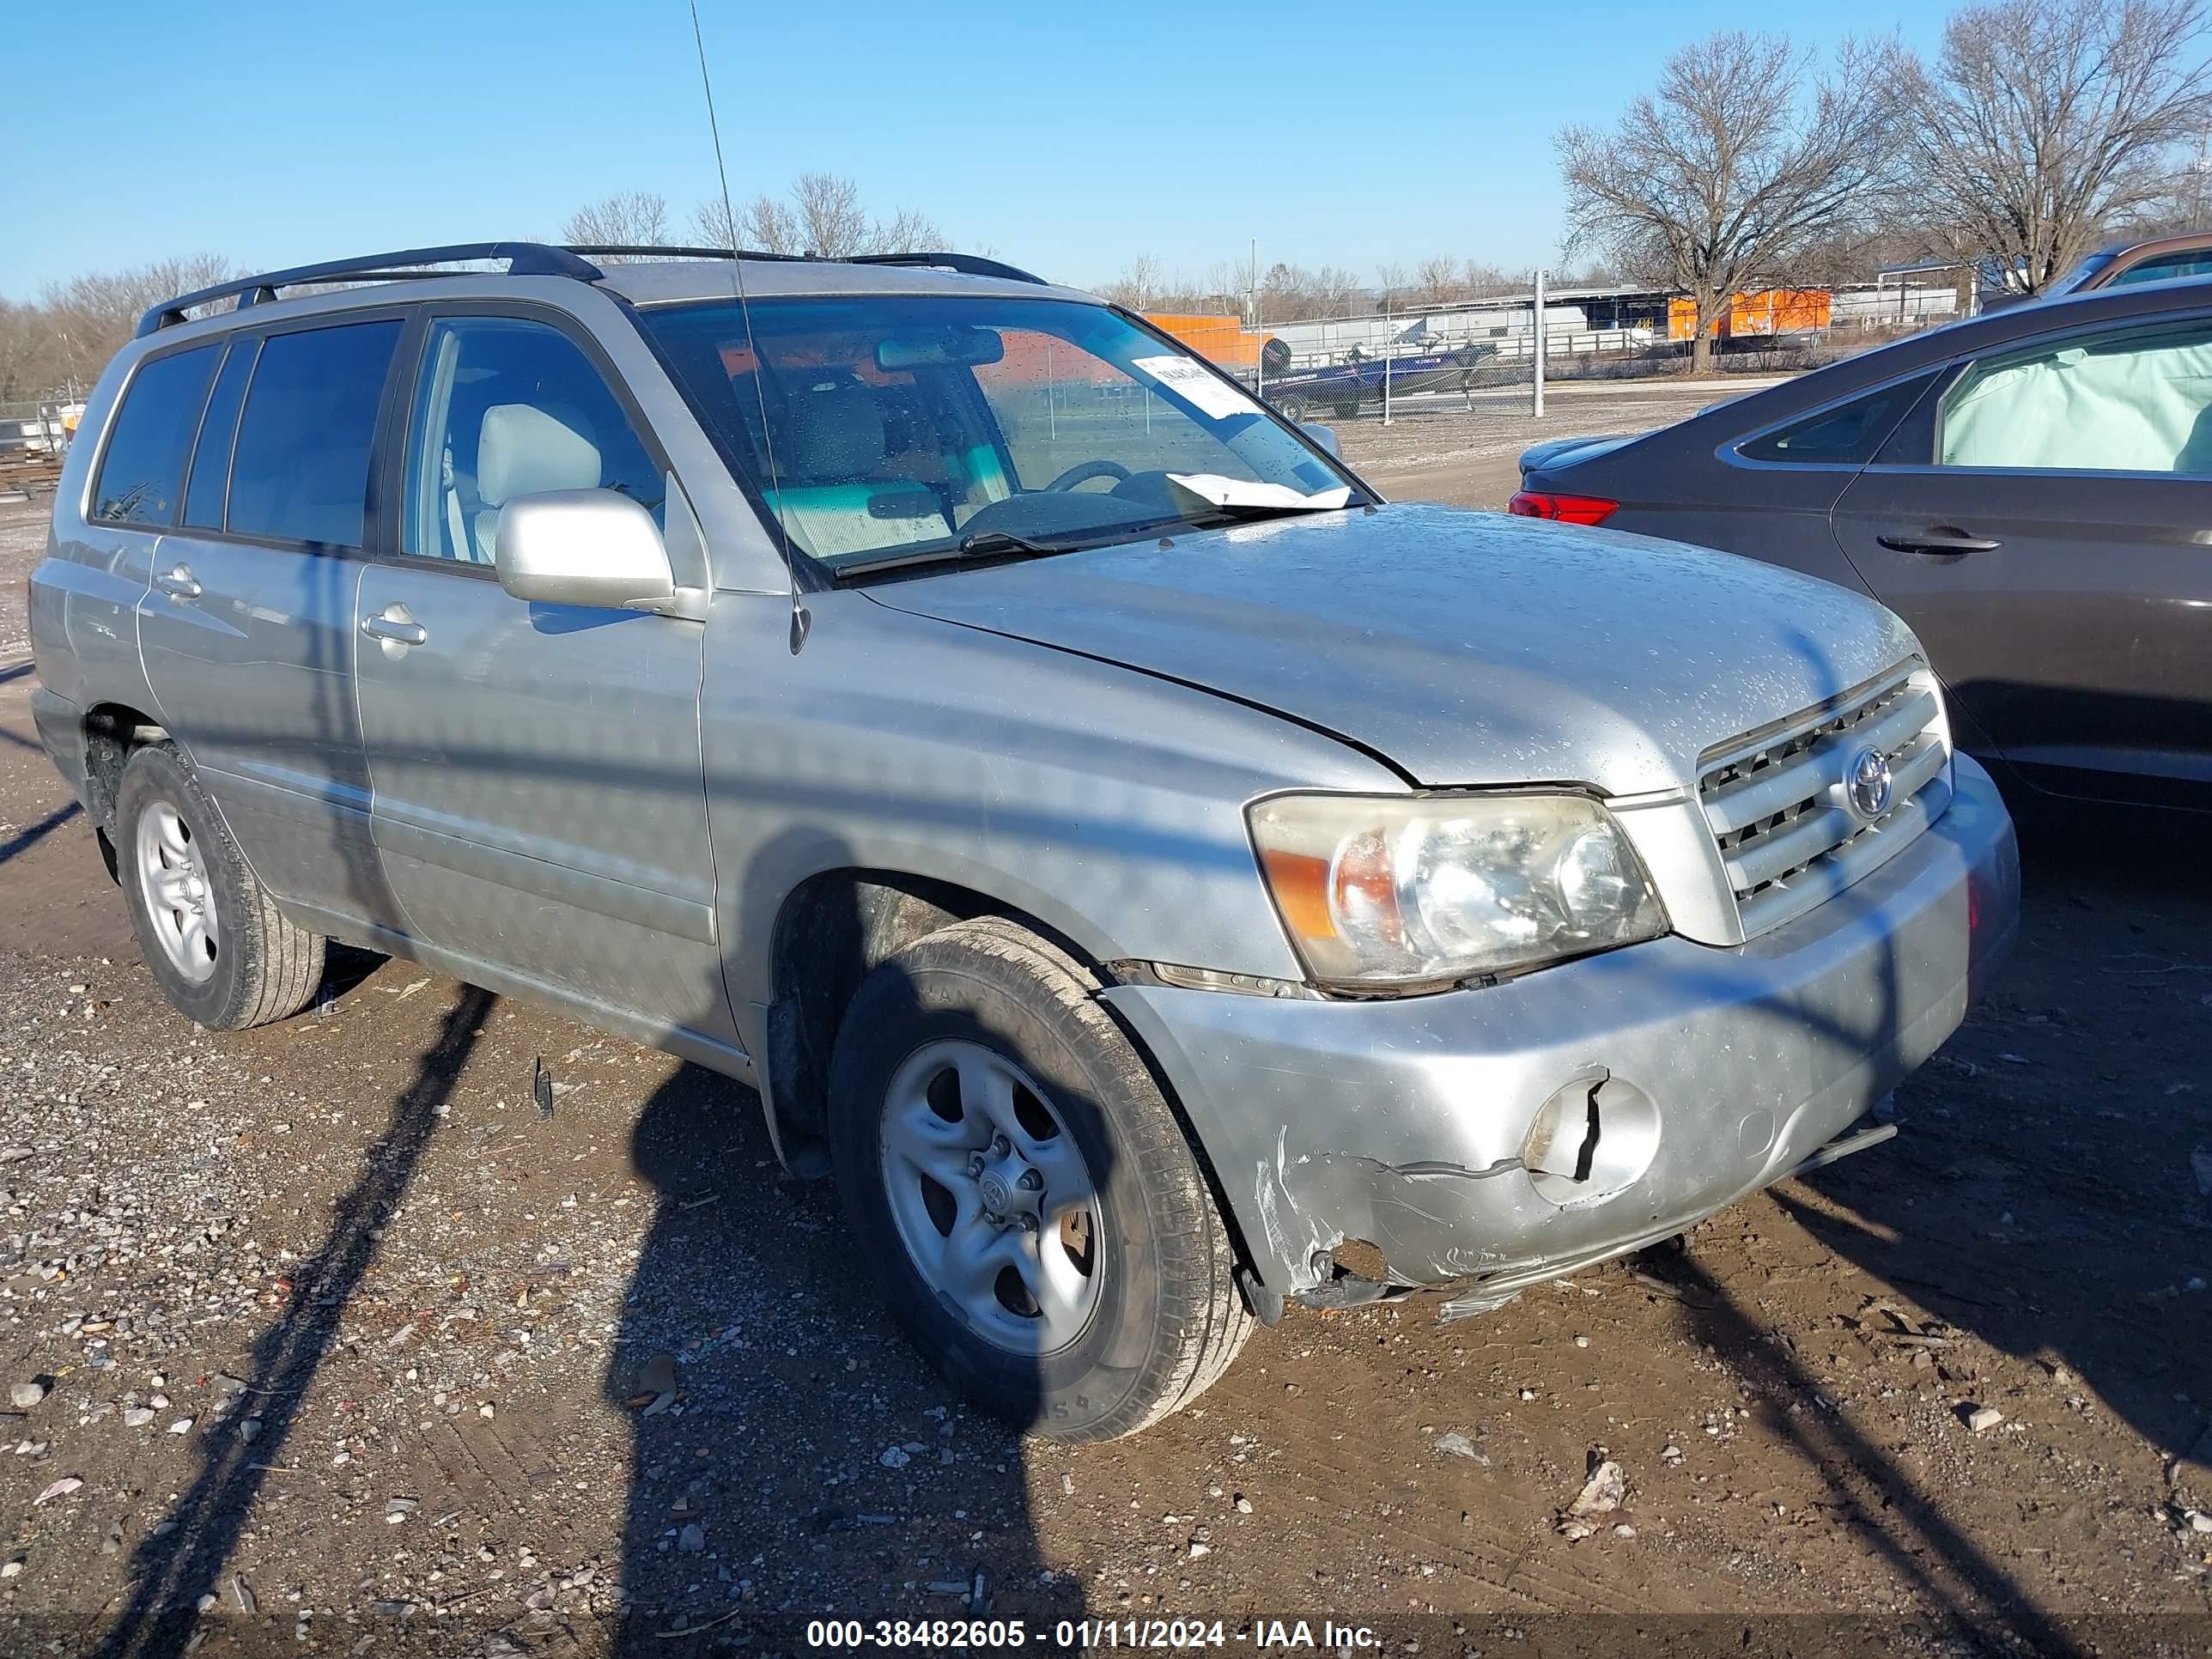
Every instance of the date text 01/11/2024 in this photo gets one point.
(1080, 1635)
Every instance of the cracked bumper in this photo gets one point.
(1404, 1123)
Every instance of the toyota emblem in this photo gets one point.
(1869, 783)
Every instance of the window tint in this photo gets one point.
(218, 427)
(300, 470)
(2196, 262)
(2132, 402)
(1845, 436)
(142, 475)
(508, 408)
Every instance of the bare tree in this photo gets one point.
(29, 353)
(1732, 168)
(822, 214)
(1140, 285)
(1439, 280)
(628, 218)
(1480, 279)
(2042, 124)
(1335, 289)
(1290, 293)
(1391, 283)
(762, 225)
(87, 318)
(907, 231)
(831, 220)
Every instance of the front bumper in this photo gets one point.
(1405, 1123)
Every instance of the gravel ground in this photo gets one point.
(326, 1323)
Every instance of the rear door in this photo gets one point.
(248, 627)
(2042, 522)
(137, 490)
(539, 802)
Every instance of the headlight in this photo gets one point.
(1394, 892)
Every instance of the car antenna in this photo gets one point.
(801, 618)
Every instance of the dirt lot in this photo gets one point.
(340, 1333)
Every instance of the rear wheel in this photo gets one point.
(210, 932)
(1022, 1190)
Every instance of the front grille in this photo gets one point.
(1780, 805)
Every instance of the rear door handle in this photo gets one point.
(1943, 538)
(179, 579)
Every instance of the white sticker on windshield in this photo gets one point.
(1191, 381)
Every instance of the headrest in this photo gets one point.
(836, 432)
(521, 450)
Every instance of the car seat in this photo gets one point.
(832, 451)
(523, 450)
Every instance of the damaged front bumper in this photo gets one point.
(1511, 1133)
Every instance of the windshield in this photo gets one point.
(902, 424)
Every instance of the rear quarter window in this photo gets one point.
(299, 470)
(142, 474)
(1847, 434)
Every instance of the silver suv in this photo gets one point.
(1163, 881)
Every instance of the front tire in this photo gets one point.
(1015, 1176)
(211, 936)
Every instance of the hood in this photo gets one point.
(1465, 647)
(1569, 451)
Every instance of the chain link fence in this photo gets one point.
(1430, 360)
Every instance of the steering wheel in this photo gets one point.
(1084, 471)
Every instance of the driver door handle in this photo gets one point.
(179, 579)
(395, 627)
(1942, 539)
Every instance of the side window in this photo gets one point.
(506, 407)
(300, 472)
(2136, 401)
(211, 475)
(2196, 262)
(1847, 435)
(143, 473)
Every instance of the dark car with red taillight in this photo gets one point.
(2030, 490)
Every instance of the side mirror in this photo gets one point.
(1323, 435)
(595, 547)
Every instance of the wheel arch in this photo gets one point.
(111, 732)
(830, 932)
(835, 927)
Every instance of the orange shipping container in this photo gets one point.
(1768, 310)
(1223, 340)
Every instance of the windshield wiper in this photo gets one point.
(975, 545)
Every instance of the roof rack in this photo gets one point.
(637, 250)
(525, 259)
(968, 265)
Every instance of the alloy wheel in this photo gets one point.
(992, 1197)
(173, 881)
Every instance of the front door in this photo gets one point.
(538, 799)
(2044, 524)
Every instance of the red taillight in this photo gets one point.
(1567, 509)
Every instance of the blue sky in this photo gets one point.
(1067, 136)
